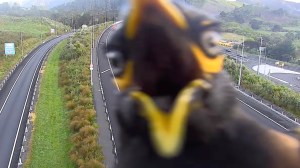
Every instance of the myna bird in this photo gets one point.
(177, 108)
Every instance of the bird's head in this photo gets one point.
(162, 47)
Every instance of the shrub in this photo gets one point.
(78, 123)
(70, 105)
(277, 94)
(85, 90)
(75, 81)
(94, 164)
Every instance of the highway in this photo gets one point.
(105, 102)
(15, 100)
(250, 60)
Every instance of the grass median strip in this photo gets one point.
(50, 145)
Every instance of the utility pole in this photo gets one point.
(91, 65)
(259, 59)
(265, 59)
(22, 43)
(105, 13)
(55, 28)
(93, 32)
(237, 53)
(241, 67)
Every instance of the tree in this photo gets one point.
(277, 28)
(284, 51)
(239, 18)
(298, 35)
(4, 7)
(223, 14)
(290, 36)
(255, 24)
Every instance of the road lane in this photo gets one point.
(290, 80)
(101, 104)
(15, 99)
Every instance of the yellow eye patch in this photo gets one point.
(207, 65)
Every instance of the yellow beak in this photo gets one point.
(167, 130)
(163, 6)
(126, 79)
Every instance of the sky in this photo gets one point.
(20, 1)
(298, 1)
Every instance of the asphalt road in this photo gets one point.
(260, 113)
(104, 101)
(15, 99)
(250, 60)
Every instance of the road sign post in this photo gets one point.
(241, 66)
(10, 49)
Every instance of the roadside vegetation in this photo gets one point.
(278, 28)
(74, 79)
(50, 144)
(33, 31)
(65, 129)
(277, 94)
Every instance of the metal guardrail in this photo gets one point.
(272, 107)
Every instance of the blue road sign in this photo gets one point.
(10, 49)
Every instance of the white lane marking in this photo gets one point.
(292, 121)
(285, 82)
(101, 89)
(17, 81)
(109, 61)
(12, 152)
(105, 71)
(262, 114)
(266, 69)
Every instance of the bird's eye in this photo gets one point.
(209, 41)
(117, 62)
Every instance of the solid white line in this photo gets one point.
(269, 108)
(105, 71)
(12, 152)
(262, 114)
(280, 80)
(17, 81)
(101, 88)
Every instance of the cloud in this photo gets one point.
(298, 1)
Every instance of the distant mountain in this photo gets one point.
(88, 5)
(44, 3)
(274, 4)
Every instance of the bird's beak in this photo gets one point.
(165, 7)
(207, 65)
(167, 130)
(126, 79)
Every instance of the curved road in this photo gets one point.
(290, 80)
(105, 87)
(15, 99)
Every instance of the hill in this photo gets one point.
(31, 26)
(291, 7)
(34, 31)
(214, 7)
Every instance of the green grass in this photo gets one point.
(29, 25)
(32, 28)
(232, 37)
(6, 63)
(292, 28)
(50, 142)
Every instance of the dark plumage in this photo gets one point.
(161, 62)
(218, 136)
